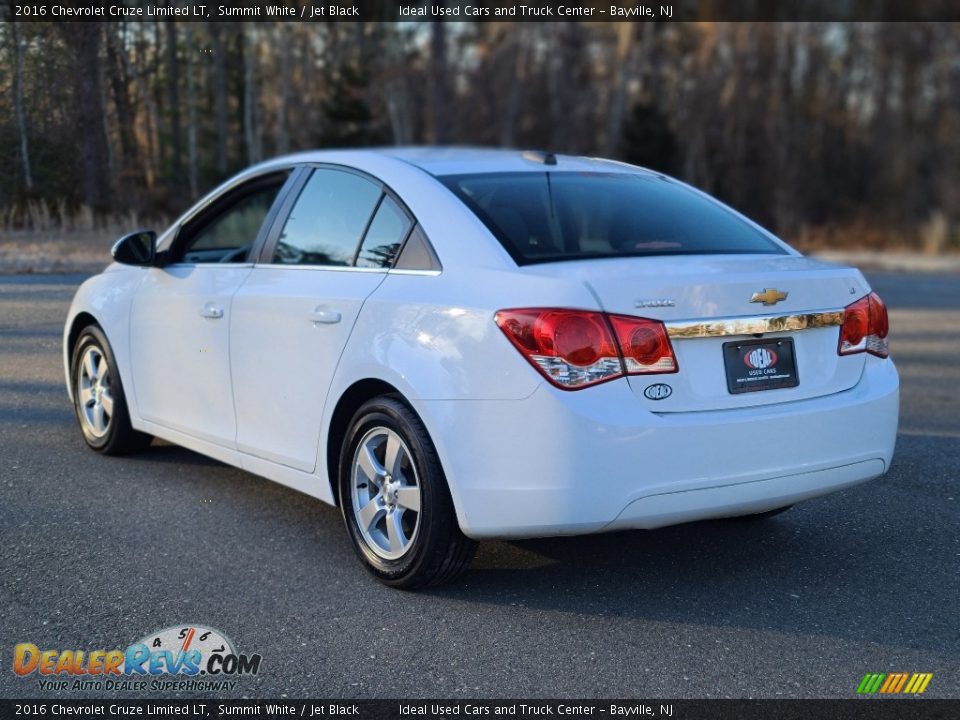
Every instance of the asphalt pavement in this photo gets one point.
(96, 553)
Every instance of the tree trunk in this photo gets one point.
(519, 57)
(439, 114)
(286, 50)
(251, 130)
(84, 41)
(119, 84)
(220, 95)
(18, 103)
(623, 67)
(191, 114)
(150, 122)
(173, 101)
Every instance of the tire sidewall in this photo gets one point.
(389, 414)
(93, 336)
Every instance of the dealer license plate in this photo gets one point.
(760, 365)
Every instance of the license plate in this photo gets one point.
(754, 365)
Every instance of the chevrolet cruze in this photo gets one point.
(458, 344)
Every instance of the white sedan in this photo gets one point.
(454, 345)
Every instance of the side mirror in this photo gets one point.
(137, 248)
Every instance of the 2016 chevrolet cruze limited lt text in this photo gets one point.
(457, 344)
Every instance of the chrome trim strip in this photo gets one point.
(325, 268)
(404, 271)
(207, 265)
(752, 325)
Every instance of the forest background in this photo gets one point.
(832, 135)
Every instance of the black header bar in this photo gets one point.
(855, 709)
(480, 10)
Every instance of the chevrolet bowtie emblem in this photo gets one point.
(769, 296)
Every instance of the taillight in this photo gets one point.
(644, 345)
(865, 327)
(578, 348)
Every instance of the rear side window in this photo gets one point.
(385, 235)
(544, 217)
(328, 219)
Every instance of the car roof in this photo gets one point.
(462, 160)
(456, 160)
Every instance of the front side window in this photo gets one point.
(226, 232)
(328, 219)
(551, 216)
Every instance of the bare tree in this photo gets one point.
(251, 113)
(18, 103)
(439, 106)
(191, 112)
(220, 94)
(622, 67)
(286, 61)
(173, 109)
(84, 40)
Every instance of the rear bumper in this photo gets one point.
(559, 463)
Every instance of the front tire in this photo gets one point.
(395, 500)
(98, 399)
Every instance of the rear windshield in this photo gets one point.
(544, 217)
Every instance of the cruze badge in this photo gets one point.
(769, 296)
(655, 302)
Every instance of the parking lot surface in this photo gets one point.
(98, 552)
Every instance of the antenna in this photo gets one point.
(540, 156)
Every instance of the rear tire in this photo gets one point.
(98, 399)
(395, 501)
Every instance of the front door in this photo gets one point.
(179, 324)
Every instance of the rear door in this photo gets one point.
(295, 310)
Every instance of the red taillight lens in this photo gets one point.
(645, 345)
(577, 348)
(572, 348)
(865, 327)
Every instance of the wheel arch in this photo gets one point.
(350, 401)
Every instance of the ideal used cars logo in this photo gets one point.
(191, 657)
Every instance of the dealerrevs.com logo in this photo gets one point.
(186, 657)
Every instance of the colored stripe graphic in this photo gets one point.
(870, 683)
(918, 683)
(903, 680)
(894, 683)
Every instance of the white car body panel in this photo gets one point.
(179, 357)
(570, 463)
(258, 388)
(288, 329)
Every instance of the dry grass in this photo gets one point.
(43, 238)
(31, 251)
(934, 237)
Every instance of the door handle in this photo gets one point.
(211, 311)
(324, 316)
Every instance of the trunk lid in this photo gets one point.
(705, 301)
